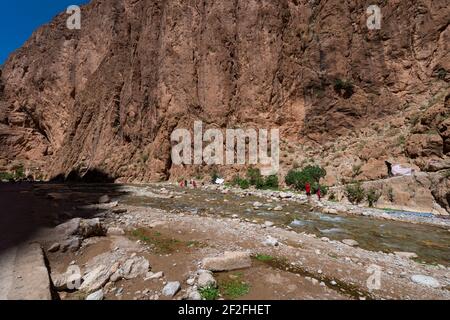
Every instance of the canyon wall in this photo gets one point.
(107, 97)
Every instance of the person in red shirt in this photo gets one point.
(308, 189)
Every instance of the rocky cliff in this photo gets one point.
(107, 97)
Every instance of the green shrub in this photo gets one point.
(373, 196)
(271, 182)
(332, 196)
(6, 176)
(315, 188)
(442, 73)
(254, 177)
(264, 257)
(356, 170)
(144, 158)
(298, 179)
(241, 183)
(355, 193)
(344, 88)
(401, 140)
(214, 176)
(390, 194)
(19, 173)
(209, 293)
(234, 288)
(447, 173)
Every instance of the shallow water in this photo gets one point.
(430, 243)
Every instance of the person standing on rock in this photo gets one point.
(319, 193)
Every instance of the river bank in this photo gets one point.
(145, 240)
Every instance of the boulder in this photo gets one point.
(104, 199)
(96, 278)
(91, 228)
(228, 261)
(424, 145)
(206, 279)
(171, 289)
(98, 295)
(425, 281)
(114, 231)
(72, 244)
(69, 228)
(134, 267)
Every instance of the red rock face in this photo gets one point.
(108, 96)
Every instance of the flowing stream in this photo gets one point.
(430, 243)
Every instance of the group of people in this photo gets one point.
(308, 191)
(185, 184)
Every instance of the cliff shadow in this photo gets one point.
(29, 208)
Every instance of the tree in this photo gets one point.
(355, 193)
(311, 174)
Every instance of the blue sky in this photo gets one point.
(19, 18)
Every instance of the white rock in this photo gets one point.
(268, 223)
(206, 279)
(425, 281)
(135, 267)
(228, 261)
(103, 199)
(171, 289)
(98, 295)
(270, 241)
(96, 278)
(278, 208)
(194, 295)
(152, 276)
(407, 255)
(114, 231)
(350, 242)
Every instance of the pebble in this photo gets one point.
(425, 281)
(350, 242)
(268, 224)
(270, 241)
